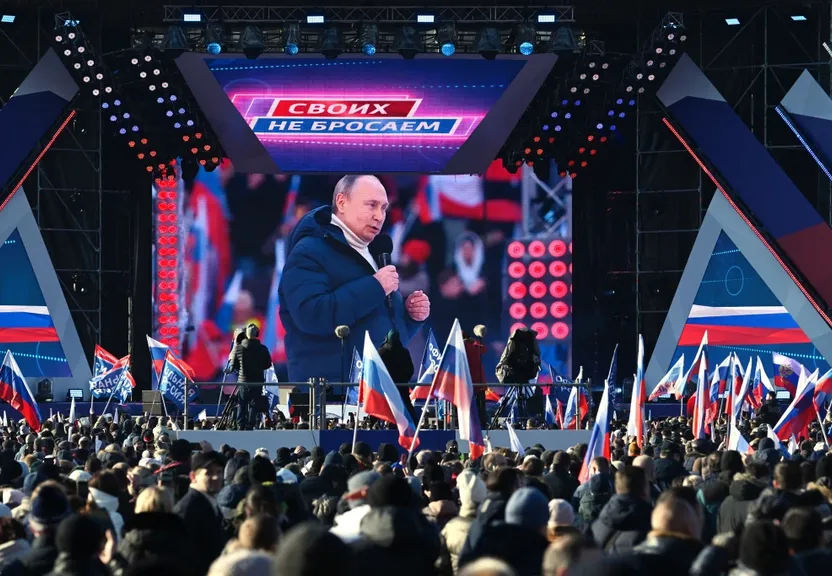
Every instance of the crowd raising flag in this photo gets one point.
(172, 382)
(702, 397)
(786, 372)
(739, 399)
(102, 361)
(801, 411)
(636, 423)
(599, 440)
(453, 384)
(158, 352)
(693, 371)
(823, 398)
(427, 370)
(117, 381)
(351, 397)
(670, 382)
(15, 391)
(381, 398)
(514, 441)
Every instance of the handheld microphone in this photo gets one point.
(380, 249)
(480, 331)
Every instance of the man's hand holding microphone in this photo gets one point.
(417, 304)
(388, 277)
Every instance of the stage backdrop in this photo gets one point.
(219, 255)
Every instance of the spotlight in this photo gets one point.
(174, 43)
(331, 43)
(795, 17)
(487, 42)
(252, 42)
(291, 33)
(425, 18)
(369, 38)
(315, 18)
(407, 42)
(446, 37)
(213, 38)
(191, 16)
(7, 19)
(525, 39)
(546, 18)
(732, 21)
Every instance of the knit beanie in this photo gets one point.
(561, 513)
(764, 548)
(472, 492)
(823, 469)
(80, 536)
(528, 507)
(311, 549)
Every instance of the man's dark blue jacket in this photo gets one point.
(325, 284)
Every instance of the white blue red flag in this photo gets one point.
(577, 409)
(15, 391)
(225, 315)
(741, 396)
(172, 382)
(736, 441)
(693, 371)
(702, 397)
(273, 333)
(453, 384)
(599, 440)
(785, 450)
(823, 397)
(355, 376)
(719, 377)
(786, 372)
(549, 415)
(158, 352)
(671, 382)
(801, 411)
(102, 361)
(736, 376)
(514, 441)
(381, 398)
(26, 324)
(427, 370)
(271, 391)
(636, 422)
(761, 386)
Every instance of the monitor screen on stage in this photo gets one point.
(219, 251)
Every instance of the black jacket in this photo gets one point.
(519, 547)
(158, 535)
(400, 540)
(770, 412)
(561, 484)
(36, 562)
(204, 524)
(623, 523)
(332, 481)
(667, 469)
(491, 511)
(734, 508)
(595, 498)
(251, 360)
(662, 555)
(66, 565)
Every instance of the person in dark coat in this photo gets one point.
(331, 481)
(199, 510)
(309, 548)
(625, 520)
(673, 543)
(803, 528)
(49, 507)
(595, 498)
(157, 536)
(251, 360)
(521, 540)
(668, 466)
(501, 484)
(742, 492)
(332, 279)
(561, 484)
(770, 411)
(80, 540)
(598, 465)
(394, 534)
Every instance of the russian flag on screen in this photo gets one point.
(381, 397)
(19, 324)
(786, 372)
(15, 391)
(102, 361)
(599, 440)
(742, 326)
(453, 383)
(801, 411)
(430, 362)
(225, 315)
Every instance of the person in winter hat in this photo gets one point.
(347, 524)
(80, 541)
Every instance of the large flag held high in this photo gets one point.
(15, 391)
(801, 411)
(599, 440)
(702, 397)
(453, 384)
(635, 425)
(670, 382)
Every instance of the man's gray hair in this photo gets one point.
(346, 184)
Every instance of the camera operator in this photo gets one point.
(250, 360)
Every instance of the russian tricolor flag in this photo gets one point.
(15, 391)
(225, 315)
(20, 324)
(760, 386)
(381, 398)
(573, 415)
(717, 387)
(158, 352)
(635, 425)
(786, 372)
(741, 395)
(736, 377)
(702, 397)
(823, 396)
(801, 411)
(671, 382)
(453, 383)
(599, 440)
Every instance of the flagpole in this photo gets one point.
(822, 429)
(421, 420)
(108, 402)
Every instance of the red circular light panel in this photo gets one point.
(537, 249)
(517, 290)
(515, 327)
(517, 311)
(516, 269)
(537, 269)
(559, 309)
(537, 290)
(557, 268)
(541, 329)
(557, 248)
(570, 247)
(516, 249)
(558, 289)
(560, 330)
(538, 310)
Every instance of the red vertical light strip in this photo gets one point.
(168, 250)
(765, 242)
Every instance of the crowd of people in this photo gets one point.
(130, 499)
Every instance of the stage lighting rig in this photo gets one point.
(446, 38)
(331, 43)
(369, 38)
(214, 38)
(252, 42)
(407, 42)
(175, 42)
(525, 38)
(487, 43)
(291, 38)
(80, 58)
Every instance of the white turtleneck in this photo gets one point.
(357, 243)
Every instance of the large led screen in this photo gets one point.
(354, 114)
(220, 244)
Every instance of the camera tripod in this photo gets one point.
(229, 410)
(513, 397)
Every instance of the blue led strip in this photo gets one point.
(785, 116)
(36, 356)
(759, 351)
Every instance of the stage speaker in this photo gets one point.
(152, 402)
(44, 393)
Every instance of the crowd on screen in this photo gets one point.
(129, 498)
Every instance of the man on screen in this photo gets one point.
(331, 279)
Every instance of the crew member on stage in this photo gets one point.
(331, 278)
(251, 360)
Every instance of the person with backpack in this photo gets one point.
(625, 520)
